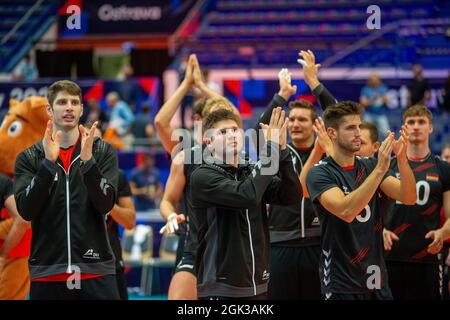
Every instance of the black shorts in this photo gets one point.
(101, 288)
(382, 294)
(415, 281)
(122, 283)
(294, 273)
(262, 296)
(187, 263)
(180, 248)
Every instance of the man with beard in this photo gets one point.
(343, 189)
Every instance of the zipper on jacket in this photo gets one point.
(69, 248)
(253, 254)
(302, 207)
(251, 245)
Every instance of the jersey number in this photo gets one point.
(365, 215)
(426, 192)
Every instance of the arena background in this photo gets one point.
(243, 44)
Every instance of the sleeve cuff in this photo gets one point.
(86, 166)
(50, 166)
(285, 155)
(318, 90)
(279, 100)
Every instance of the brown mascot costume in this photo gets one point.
(23, 126)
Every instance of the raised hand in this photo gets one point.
(87, 141)
(275, 131)
(197, 72)
(438, 241)
(310, 68)
(384, 153)
(400, 145)
(323, 141)
(51, 146)
(188, 75)
(286, 88)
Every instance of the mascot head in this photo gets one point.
(23, 126)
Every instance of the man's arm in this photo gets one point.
(32, 188)
(138, 191)
(170, 107)
(213, 189)
(279, 99)
(18, 228)
(443, 233)
(347, 207)
(403, 190)
(101, 178)
(284, 189)
(200, 83)
(314, 157)
(446, 206)
(322, 145)
(324, 97)
(127, 114)
(440, 235)
(124, 212)
(172, 194)
(363, 98)
(310, 75)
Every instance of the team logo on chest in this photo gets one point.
(346, 191)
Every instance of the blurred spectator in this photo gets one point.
(446, 95)
(445, 154)
(142, 127)
(374, 100)
(419, 89)
(146, 184)
(95, 113)
(129, 88)
(121, 115)
(26, 70)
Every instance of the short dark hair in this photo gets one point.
(333, 114)
(418, 111)
(303, 104)
(220, 115)
(372, 130)
(62, 86)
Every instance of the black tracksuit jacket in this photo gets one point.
(67, 209)
(230, 207)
